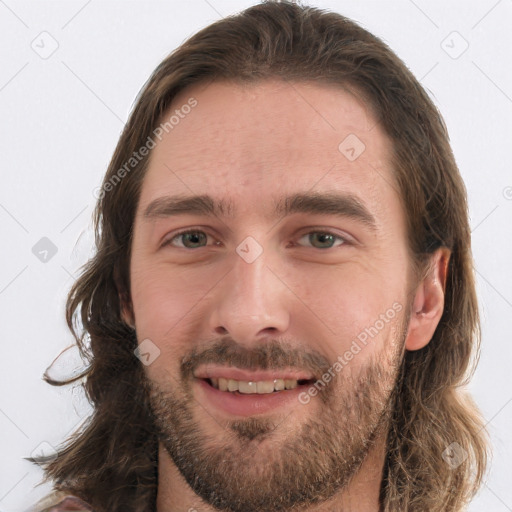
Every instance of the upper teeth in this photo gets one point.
(261, 387)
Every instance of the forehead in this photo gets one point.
(251, 145)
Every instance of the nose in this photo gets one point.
(251, 302)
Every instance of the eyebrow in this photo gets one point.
(328, 203)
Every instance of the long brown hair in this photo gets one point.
(112, 461)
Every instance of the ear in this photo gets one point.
(428, 305)
(125, 305)
(127, 311)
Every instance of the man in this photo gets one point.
(281, 309)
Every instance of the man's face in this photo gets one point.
(256, 295)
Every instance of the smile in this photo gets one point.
(255, 387)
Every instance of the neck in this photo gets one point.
(360, 495)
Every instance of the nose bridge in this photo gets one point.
(251, 299)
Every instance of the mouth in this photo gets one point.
(262, 387)
(242, 398)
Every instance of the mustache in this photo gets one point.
(268, 355)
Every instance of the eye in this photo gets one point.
(190, 239)
(324, 239)
(195, 239)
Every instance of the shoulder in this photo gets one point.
(59, 501)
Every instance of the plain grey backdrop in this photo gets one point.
(69, 74)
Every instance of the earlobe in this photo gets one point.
(125, 306)
(127, 315)
(428, 305)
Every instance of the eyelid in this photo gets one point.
(347, 239)
(168, 240)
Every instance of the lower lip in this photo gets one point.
(247, 404)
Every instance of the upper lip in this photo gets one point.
(231, 372)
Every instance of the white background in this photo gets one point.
(60, 119)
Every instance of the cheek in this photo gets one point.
(164, 299)
(355, 289)
(337, 305)
(358, 307)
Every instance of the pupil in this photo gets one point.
(322, 237)
(193, 237)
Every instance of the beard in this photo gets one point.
(265, 463)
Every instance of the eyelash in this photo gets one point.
(323, 232)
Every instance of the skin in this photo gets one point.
(252, 144)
